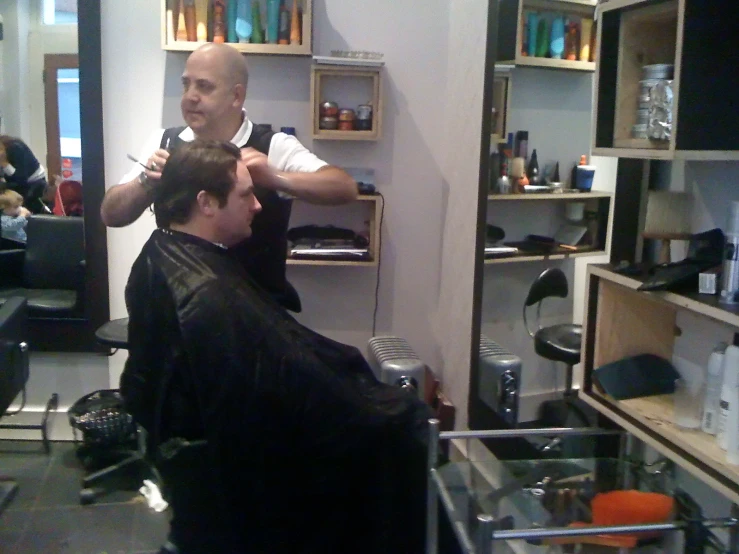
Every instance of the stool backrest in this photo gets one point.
(551, 282)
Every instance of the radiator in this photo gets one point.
(395, 363)
(499, 380)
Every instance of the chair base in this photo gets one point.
(8, 490)
(92, 490)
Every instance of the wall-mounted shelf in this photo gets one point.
(170, 43)
(544, 213)
(374, 205)
(558, 254)
(563, 197)
(635, 33)
(621, 321)
(511, 32)
(362, 85)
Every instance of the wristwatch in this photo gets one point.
(145, 181)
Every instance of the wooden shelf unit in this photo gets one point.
(634, 33)
(621, 321)
(563, 196)
(374, 204)
(559, 254)
(320, 73)
(511, 29)
(598, 202)
(303, 49)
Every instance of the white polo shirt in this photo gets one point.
(286, 153)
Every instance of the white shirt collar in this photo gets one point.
(239, 139)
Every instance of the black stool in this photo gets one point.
(558, 343)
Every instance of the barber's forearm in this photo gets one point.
(124, 203)
(330, 185)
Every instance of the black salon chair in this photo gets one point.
(558, 343)
(50, 271)
(13, 370)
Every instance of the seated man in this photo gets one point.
(294, 446)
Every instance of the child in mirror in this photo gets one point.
(14, 216)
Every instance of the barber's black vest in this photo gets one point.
(264, 253)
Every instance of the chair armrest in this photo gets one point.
(11, 267)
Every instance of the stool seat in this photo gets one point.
(114, 333)
(560, 343)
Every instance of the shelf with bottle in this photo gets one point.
(277, 27)
(554, 34)
(346, 102)
(653, 92)
(370, 208)
(621, 322)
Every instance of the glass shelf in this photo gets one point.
(525, 494)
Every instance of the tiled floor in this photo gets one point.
(46, 516)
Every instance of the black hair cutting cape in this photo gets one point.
(306, 450)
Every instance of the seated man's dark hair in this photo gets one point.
(208, 165)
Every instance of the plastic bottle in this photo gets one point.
(557, 38)
(730, 382)
(533, 169)
(273, 20)
(714, 381)
(732, 429)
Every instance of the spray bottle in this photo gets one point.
(728, 389)
(714, 381)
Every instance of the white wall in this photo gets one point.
(14, 105)
(426, 163)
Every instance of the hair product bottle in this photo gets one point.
(295, 31)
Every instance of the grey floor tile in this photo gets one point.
(13, 526)
(103, 529)
(150, 529)
(27, 463)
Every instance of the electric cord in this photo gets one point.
(379, 263)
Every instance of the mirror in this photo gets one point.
(57, 149)
(553, 106)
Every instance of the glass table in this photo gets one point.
(518, 505)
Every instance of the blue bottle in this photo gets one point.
(557, 38)
(532, 24)
(243, 20)
(231, 21)
(273, 20)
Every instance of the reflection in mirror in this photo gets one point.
(50, 260)
(520, 379)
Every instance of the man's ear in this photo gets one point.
(239, 94)
(206, 203)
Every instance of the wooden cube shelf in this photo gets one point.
(511, 31)
(635, 33)
(321, 74)
(374, 204)
(620, 322)
(170, 43)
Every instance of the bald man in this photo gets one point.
(213, 91)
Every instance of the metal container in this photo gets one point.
(364, 118)
(645, 88)
(346, 125)
(642, 116)
(364, 111)
(658, 71)
(328, 123)
(346, 114)
(328, 109)
(639, 131)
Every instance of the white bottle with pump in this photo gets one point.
(728, 392)
(714, 382)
